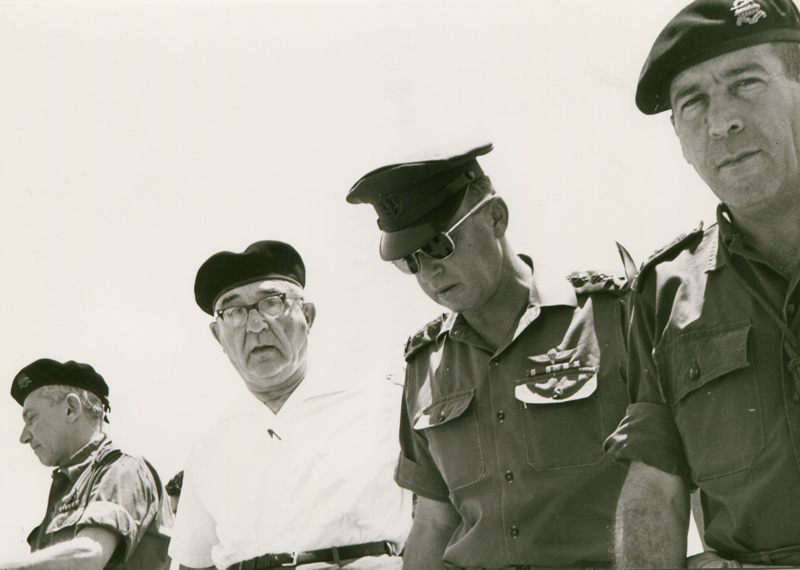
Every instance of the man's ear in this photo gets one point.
(675, 128)
(214, 326)
(498, 209)
(310, 312)
(74, 407)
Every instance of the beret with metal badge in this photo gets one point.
(706, 29)
(416, 198)
(262, 260)
(47, 372)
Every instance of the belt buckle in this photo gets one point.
(293, 563)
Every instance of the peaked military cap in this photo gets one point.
(46, 372)
(416, 198)
(706, 29)
(262, 260)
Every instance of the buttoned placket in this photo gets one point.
(504, 405)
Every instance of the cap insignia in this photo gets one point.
(390, 205)
(23, 381)
(747, 11)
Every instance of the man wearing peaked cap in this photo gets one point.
(714, 369)
(302, 476)
(106, 509)
(508, 396)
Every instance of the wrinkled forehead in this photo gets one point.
(761, 57)
(253, 292)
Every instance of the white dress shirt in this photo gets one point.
(317, 474)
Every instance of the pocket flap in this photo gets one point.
(698, 357)
(445, 409)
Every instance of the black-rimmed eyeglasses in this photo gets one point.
(272, 306)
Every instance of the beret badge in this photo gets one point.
(23, 381)
(747, 12)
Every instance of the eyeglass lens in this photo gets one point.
(269, 306)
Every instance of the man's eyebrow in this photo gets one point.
(26, 414)
(228, 298)
(694, 87)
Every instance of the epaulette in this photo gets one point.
(589, 282)
(424, 336)
(671, 249)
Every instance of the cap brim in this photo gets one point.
(396, 245)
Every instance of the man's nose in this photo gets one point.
(255, 321)
(429, 267)
(723, 117)
(25, 436)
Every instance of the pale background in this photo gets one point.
(139, 138)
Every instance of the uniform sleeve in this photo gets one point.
(416, 469)
(648, 432)
(123, 500)
(194, 533)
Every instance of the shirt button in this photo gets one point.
(501, 415)
(441, 416)
(514, 532)
(509, 476)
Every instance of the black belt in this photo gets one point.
(335, 554)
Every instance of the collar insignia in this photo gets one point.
(390, 205)
(747, 11)
(23, 381)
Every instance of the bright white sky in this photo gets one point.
(139, 138)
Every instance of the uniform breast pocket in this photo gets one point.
(707, 379)
(451, 426)
(562, 420)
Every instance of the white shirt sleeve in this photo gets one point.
(194, 533)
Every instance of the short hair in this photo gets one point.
(478, 189)
(91, 403)
(789, 54)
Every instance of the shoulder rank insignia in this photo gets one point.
(587, 282)
(424, 336)
(747, 12)
(672, 248)
(555, 378)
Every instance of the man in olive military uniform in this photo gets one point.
(508, 396)
(105, 508)
(714, 373)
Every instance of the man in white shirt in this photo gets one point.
(303, 478)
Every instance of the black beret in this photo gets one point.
(706, 29)
(262, 260)
(46, 372)
(416, 198)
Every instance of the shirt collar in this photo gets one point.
(547, 289)
(82, 458)
(730, 238)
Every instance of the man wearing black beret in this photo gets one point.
(303, 476)
(509, 396)
(714, 369)
(105, 508)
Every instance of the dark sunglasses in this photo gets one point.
(441, 246)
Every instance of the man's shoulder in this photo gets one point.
(424, 337)
(686, 244)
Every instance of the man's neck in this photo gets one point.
(493, 321)
(275, 399)
(775, 233)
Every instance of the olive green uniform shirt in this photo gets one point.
(513, 438)
(713, 397)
